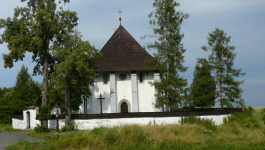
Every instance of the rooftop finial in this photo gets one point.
(120, 15)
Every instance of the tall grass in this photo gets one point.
(192, 134)
(193, 119)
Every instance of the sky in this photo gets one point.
(243, 20)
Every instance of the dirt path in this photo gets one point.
(7, 138)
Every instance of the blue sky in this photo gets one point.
(243, 20)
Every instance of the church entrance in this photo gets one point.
(124, 108)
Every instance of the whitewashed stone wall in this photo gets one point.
(88, 124)
(22, 124)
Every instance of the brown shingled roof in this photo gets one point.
(123, 53)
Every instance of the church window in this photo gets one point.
(141, 77)
(122, 76)
(105, 78)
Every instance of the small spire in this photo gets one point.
(120, 15)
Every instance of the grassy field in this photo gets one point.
(241, 131)
(257, 109)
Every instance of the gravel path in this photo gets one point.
(7, 138)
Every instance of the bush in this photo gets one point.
(245, 118)
(6, 113)
(251, 109)
(263, 114)
(71, 128)
(40, 129)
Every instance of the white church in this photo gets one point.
(123, 78)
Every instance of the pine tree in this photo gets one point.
(222, 60)
(169, 59)
(203, 85)
(26, 92)
(33, 29)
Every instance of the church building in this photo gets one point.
(123, 78)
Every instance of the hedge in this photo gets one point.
(6, 115)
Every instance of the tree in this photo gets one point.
(33, 29)
(24, 93)
(222, 60)
(75, 69)
(203, 85)
(169, 58)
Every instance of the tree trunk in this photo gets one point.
(67, 104)
(45, 85)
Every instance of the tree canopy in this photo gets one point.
(169, 59)
(33, 29)
(75, 70)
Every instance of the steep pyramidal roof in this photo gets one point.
(122, 53)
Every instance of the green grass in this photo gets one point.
(8, 127)
(242, 131)
(257, 115)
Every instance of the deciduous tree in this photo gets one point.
(75, 70)
(222, 61)
(33, 29)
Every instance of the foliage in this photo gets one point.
(222, 60)
(193, 119)
(70, 128)
(263, 114)
(250, 108)
(75, 70)
(33, 29)
(44, 113)
(245, 118)
(26, 92)
(188, 136)
(6, 113)
(169, 58)
(40, 129)
(203, 85)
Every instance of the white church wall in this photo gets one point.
(124, 87)
(146, 93)
(100, 88)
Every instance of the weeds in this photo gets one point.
(193, 119)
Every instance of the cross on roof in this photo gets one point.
(120, 15)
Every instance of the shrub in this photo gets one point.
(263, 114)
(44, 113)
(251, 109)
(40, 129)
(71, 128)
(245, 118)
(6, 113)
